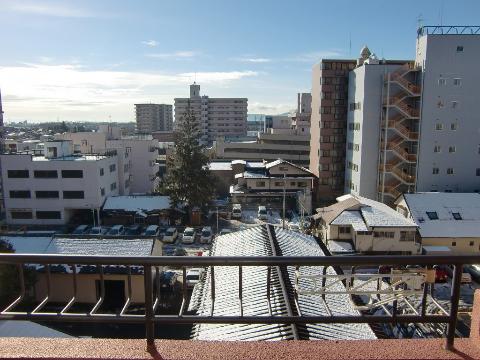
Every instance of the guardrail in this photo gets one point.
(150, 271)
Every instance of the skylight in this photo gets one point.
(456, 216)
(432, 215)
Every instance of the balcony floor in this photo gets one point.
(184, 349)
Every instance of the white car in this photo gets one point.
(188, 236)
(262, 213)
(193, 277)
(206, 236)
(237, 211)
(98, 230)
(225, 231)
(170, 235)
(294, 227)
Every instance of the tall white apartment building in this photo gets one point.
(137, 156)
(413, 127)
(216, 116)
(56, 186)
(153, 117)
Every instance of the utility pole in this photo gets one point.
(284, 190)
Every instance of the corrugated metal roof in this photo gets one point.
(255, 242)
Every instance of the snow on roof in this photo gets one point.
(377, 214)
(28, 244)
(281, 161)
(467, 205)
(238, 162)
(255, 242)
(137, 203)
(114, 247)
(353, 218)
(220, 166)
(429, 249)
(336, 246)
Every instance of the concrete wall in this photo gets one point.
(438, 56)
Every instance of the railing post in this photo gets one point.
(149, 324)
(455, 298)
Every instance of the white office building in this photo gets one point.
(137, 156)
(413, 127)
(216, 116)
(57, 186)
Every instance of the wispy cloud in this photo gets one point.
(265, 108)
(150, 43)
(52, 89)
(50, 9)
(254, 59)
(314, 56)
(174, 55)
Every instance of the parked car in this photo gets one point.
(168, 280)
(262, 213)
(133, 230)
(474, 271)
(225, 231)
(193, 277)
(152, 230)
(237, 211)
(294, 227)
(81, 229)
(170, 235)
(206, 236)
(116, 230)
(189, 236)
(98, 230)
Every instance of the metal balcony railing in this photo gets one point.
(148, 267)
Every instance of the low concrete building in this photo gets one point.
(266, 184)
(57, 186)
(370, 226)
(88, 278)
(449, 220)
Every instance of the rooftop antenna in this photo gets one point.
(349, 44)
(441, 13)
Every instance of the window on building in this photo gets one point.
(51, 194)
(457, 216)
(477, 172)
(453, 126)
(450, 171)
(440, 104)
(457, 81)
(45, 174)
(301, 184)
(102, 191)
(437, 148)
(112, 167)
(113, 186)
(435, 171)
(48, 215)
(73, 195)
(384, 234)
(472, 243)
(344, 230)
(452, 149)
(278, 183)
(18, 174)
(454, 104)
(454, 243)
(283, 168)
(20, 214)
(260, 184)
(20, 194)
(438, 126)
(102, 172)
(459, 48)
(442, 82)
(72, 174)
(407, 236)
(432, 215)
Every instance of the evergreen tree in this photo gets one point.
(188, 179)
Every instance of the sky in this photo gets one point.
(92, 60)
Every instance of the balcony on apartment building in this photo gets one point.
(294, 312)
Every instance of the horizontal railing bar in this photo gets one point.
(241, 260)
(199, 319)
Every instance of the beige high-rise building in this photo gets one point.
(217, 117)
(153, 117)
